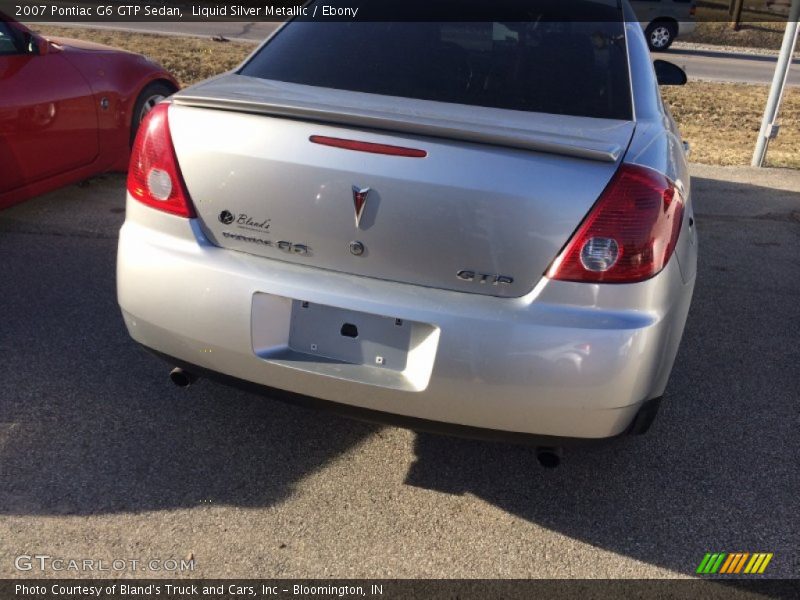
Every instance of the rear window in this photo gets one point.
(569, 68)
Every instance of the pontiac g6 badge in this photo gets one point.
(359, 202)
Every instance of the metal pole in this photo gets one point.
(768, 127)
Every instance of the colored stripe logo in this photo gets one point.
(734, 563)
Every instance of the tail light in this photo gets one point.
(692, 10)
(629, 235)
(154, 177)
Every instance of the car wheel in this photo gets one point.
(150, 96)
(660, 35)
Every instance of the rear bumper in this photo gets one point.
(639, 425)
(566, 360)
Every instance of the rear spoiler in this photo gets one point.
(562, 135)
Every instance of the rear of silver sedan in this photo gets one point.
(428, 238)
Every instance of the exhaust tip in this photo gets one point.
(181, 378)
(549, 458)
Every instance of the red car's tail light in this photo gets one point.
(154, 177)
(629, 235)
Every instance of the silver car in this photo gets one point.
(484, 228)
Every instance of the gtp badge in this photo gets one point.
(359, 202)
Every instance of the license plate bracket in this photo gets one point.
(349, 336)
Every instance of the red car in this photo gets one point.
(69, 109)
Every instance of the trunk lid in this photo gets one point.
(496, 197)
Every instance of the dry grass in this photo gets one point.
(720, 120)
(767, 35)
(760, 28)
(189, 59)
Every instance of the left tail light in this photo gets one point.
(154, 177)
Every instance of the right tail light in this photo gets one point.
(630, 233)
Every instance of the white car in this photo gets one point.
(665, 20)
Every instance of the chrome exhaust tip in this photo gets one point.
(181, 378)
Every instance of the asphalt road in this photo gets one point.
(706, 65)
(698, 64)
(100, 457)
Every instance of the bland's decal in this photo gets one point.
(244, 221)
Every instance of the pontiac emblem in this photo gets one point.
(359, 202)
